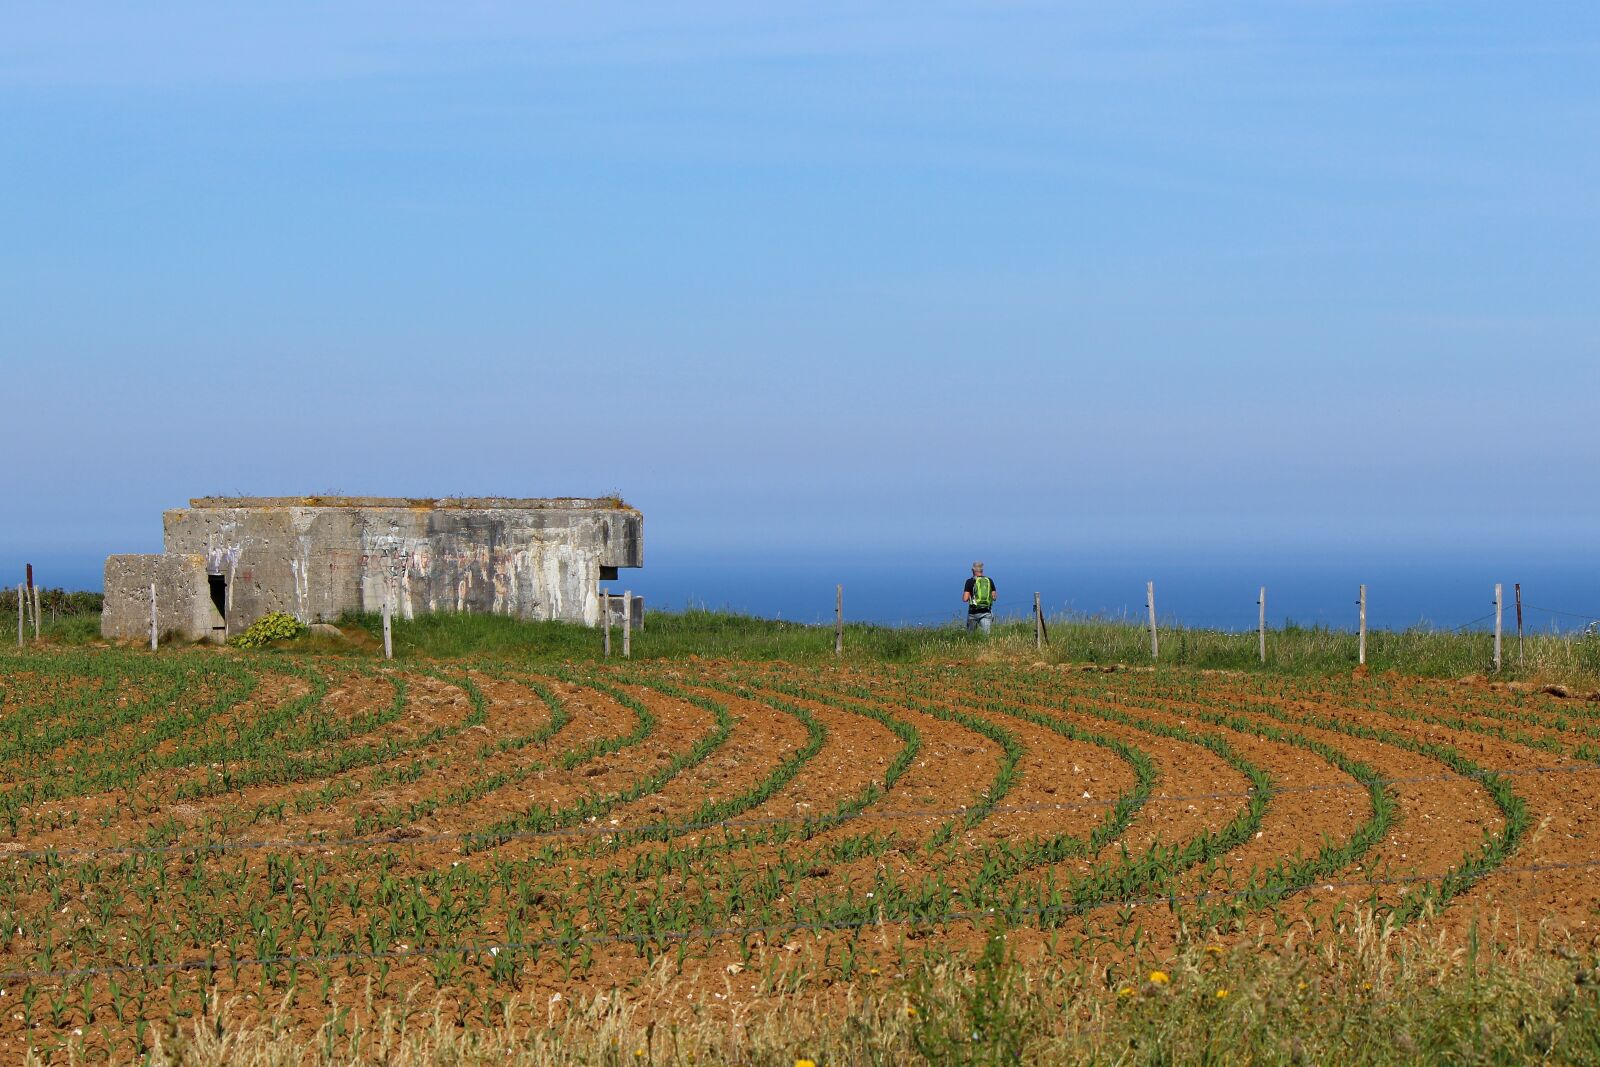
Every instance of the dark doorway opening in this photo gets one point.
(219, 597)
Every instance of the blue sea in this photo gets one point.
(1559, 595)
(1440, 592)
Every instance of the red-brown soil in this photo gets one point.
(389, 911)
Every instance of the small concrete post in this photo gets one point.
(605, 611)
(1361, 643)
(1150, 600)
(627, 624)
(1038, 625)
(388, 640)
(838, 620)
(1262, 625)
(153, 630)
(1499, 612)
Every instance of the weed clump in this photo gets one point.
(270, 628)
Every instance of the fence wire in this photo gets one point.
(1585, 615)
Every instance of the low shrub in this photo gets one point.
(274, 626)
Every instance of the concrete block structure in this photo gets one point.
(231, 560)
(180, 586)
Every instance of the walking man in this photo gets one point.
(979, 594)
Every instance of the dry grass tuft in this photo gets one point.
(1371, 997)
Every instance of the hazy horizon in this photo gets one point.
(1561, 593)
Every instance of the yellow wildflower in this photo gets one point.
(1125, 991)
(1213, 950)
(1159, 978)
(805, 1063)
(1222, 994)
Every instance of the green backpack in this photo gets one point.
(982, 592)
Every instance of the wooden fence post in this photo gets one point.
(19, 614)
(838, 620)
(1518, 588)
(1361, 648)
(388, 642)
(153, 630)
(627, 624)
(605, 611)
(1038, 624)
(1499, 612)
(33, 601)
(1150, 600)
(1262, 625)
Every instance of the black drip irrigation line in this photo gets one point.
(712, 933)
(821, 821)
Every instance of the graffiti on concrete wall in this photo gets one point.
(446, 572)
(387, 566)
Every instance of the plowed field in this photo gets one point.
(319, 836)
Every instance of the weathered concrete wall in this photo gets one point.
(617, 612)
(183, 598)
(316, 559)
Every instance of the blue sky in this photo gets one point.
(1233, 279)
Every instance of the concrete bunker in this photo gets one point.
(230, 560)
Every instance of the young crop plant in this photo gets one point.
(727, 884)
(385, 818)
(687, 863)
(998, 862)
(1297, 874)
(1436, 890)
(712, 812)
(1496, 847)
(1156, 871)
(545, 820)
